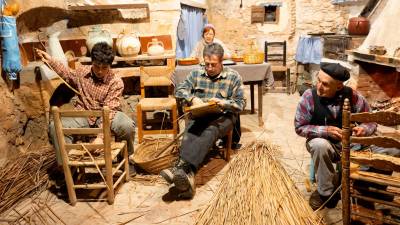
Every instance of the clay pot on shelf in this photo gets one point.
(97, 35)
(155, 47)
(358, 26)
(128, 45)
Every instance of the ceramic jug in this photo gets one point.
(97, 35)
(155, 47)
(128, 44)
(55, 49)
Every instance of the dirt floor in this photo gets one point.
(147, 200)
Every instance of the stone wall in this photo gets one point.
(296, 18)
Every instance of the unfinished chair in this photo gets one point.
(156, 79)
(351, 194)
(156, 114)
(278, 61)
(85, 157)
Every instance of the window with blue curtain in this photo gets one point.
(190, 26)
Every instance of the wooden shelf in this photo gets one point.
(376, 59)
(167, 55)
(110, 6)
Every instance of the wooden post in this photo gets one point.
(126, 164)
(139, 114)
(346, 132)
(107, 154)
(229, 145)
(64, 155)
(174, 112)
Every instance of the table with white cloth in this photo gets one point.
(252, 74)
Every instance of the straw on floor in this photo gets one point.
(24, 176)
(257, 190)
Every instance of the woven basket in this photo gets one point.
(152, 156)
(253, 58)
(188, 61)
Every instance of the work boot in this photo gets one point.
(168, 174)
(184, 180)
(316, 200)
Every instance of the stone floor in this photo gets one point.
(145, 200)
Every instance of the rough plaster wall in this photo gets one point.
(22, 120)
(164, 17)
(385, 28)
(297, 17)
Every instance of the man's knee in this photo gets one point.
(319, 146)
(123, 125)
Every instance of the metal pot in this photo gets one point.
(358, 26)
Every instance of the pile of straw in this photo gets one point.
(25, 176)
(257, 190)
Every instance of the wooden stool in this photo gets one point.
(151, 105)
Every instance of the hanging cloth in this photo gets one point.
(11, 62)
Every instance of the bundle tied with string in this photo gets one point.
(154, 155)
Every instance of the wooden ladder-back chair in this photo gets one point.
(367, 158)
(278, 61)
(156, 76)
(80, 155)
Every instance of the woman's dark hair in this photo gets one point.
(102, 53)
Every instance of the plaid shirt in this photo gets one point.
(305, 110)
(227, 85)
(94, 92)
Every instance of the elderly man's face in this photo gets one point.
(213, 65)
(327, 86)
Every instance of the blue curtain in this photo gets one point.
(189, 30)
(309, 50)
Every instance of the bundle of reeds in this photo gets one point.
(24, 176)
(257, 190)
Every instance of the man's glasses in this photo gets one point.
(206, 65)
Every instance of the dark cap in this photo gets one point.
(336, 71)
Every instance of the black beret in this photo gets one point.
(336, 71)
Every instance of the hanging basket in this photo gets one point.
(154, 155)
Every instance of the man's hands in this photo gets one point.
(334, 132)
(197, 101)
(221, 102)
(45, 57)
(98, 140)
(359, 131)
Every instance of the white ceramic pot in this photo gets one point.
(128, 45)
(97, 35)
(155, 47)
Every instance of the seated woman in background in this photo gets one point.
(208, 38)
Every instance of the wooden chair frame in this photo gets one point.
(278, 57)
(109, 153)
(383, 118)
(154, 72)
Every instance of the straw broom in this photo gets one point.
(257, 190)
(24, 176)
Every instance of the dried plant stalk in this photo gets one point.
(257, 190)
(24, 176)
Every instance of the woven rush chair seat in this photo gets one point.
(366, 157)
(157, 103)
(79, 157)
(157, 81)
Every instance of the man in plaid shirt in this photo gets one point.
(319, 119)
(213, 83)
(97, 86)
